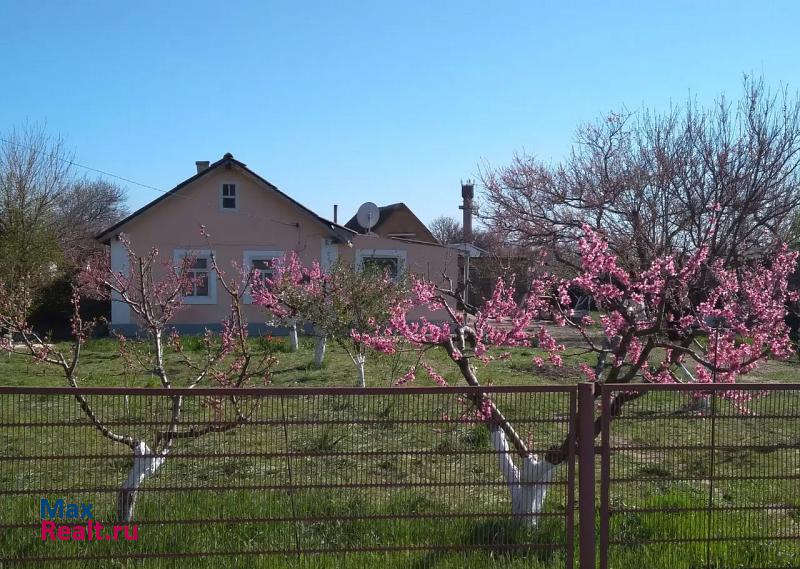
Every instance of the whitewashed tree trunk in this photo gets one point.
(527, 486)
(144, 467)
(293, 341)
(360, 360)
(319, 349)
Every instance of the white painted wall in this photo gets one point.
(329, 254)
(120, 312)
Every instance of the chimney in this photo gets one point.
(336, 213)
(201, 165)
(467, 193)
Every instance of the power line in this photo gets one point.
(147, 186)
(72, 163)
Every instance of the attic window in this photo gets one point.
(228, 196)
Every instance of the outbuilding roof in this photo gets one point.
(416, 231)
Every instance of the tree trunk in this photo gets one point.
(293, 341)
(527, 487)
(360, 360)
(319, 349)
(144, 466)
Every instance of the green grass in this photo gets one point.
(669, 482)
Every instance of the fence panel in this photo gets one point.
(315, 478)
(701, 476)
(689, 477)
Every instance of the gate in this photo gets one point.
(699, 476)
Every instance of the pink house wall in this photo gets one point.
(263, 221)
(422, 259)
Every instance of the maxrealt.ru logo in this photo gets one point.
(79, 524)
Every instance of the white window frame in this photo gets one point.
(400, 254)
(247, 262)
(178, 256)
(222, 196)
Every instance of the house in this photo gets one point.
(250, 222)
(396, 220)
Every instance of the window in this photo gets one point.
(204, 282)
(390, 265)
(263, 262)
(199, 275)
(228, 196)
(264, 267)
(390, 261)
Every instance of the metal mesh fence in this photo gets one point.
(701, 477)
(685, 476)
(314, 478)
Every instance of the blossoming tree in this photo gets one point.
(153, 290)
(678, 320)
(341, 303)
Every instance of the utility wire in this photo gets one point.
(104, 173)
(73, 163)
(147, 186)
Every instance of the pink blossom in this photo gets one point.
(434, 375)
(408, 377)
(588, 371)
(655, 318)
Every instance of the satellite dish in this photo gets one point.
(368, 215)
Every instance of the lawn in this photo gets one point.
(348, 476)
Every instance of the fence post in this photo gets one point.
(586, 536)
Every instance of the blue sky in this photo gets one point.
(342, 103)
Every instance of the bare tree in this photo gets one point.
(447, 230)
(645, 179)
(47, 213)
(34, 171)
(86, 207)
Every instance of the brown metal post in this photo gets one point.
(573, 435)
(586, 538)
(605, 474)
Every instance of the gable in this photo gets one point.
(397, 220)
(197, 201)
